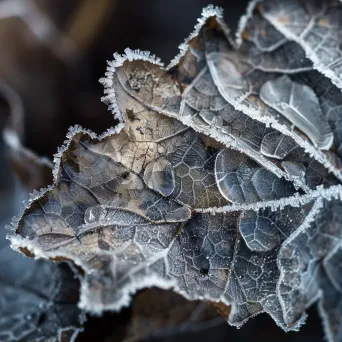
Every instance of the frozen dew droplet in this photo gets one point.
(295, 169)
(233, 172)
(43, 305)
(277, 145)
(181, 214)
(242, 180)
(207, 115)
(259, 233)
(224, 72)
(94, 214)
(299, 104)
(159, 176)
(270, 187)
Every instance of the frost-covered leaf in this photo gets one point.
(315, 25)
(38, 299)
(220, 183)
(210, 99)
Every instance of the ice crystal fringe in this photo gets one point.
(208, 12)
(90, 303)
(130, 55)
(244, 20)
(333, 192)
(74, 130)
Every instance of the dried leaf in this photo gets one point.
(215, 185)
(38, 299)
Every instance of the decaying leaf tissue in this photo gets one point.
(223, 179)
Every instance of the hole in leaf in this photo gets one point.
(125, 175)
(204, 271)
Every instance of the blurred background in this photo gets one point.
(52, 54)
